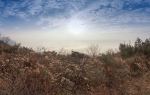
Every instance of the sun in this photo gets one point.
(76, 26)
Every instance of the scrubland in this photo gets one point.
(24, 71)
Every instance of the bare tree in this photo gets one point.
(93, 50)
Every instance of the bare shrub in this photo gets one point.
(26, 72)
(93, 50)
(63, 51)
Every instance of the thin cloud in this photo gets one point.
(97, 11)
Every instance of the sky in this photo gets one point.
(74, 24)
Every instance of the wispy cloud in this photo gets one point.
(115, 11)
(119, 11)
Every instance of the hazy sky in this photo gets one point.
(74, 24)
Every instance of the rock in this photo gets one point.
(68, 84)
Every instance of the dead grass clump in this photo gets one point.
(26, 72)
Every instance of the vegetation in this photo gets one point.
(140, 48)
(26, 72)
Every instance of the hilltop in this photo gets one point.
(26, 72)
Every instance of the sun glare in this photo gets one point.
(76, 26)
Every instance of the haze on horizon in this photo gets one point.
(74, 24)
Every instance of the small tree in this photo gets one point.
(138, 45)
(146, 47)
(126, 50)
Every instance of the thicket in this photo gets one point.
(139, 48)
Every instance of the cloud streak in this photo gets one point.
(104, 11)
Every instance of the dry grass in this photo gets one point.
(25, 72)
